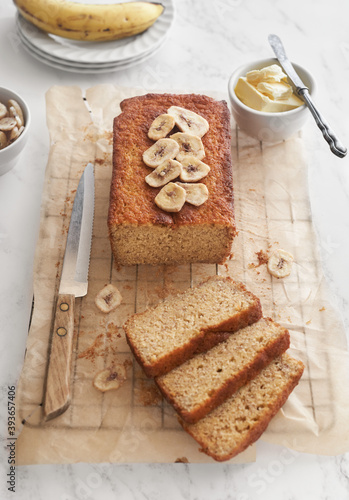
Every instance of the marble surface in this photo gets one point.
(208, 40)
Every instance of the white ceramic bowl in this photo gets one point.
(10, 154)
(268, 127)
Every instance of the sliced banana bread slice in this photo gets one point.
(170, 333)
(204, 382)
(241, 419)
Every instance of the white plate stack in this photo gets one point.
(95, 57)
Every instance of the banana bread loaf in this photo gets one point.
(170, 333)
(204, 382)
(142, 233)
(241, 419)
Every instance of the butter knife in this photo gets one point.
(73, 284)
(302, 90)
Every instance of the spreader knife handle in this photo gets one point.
(335, 146)
(57, 394)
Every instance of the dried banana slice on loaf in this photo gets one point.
(171, 198)
(193, 169)
(189, 145)
(163, 149)
(164, 173)
(188, 121)
(195, 194)
(161, 126)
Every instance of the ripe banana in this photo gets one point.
(90, 22)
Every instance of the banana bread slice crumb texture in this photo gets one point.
(208, 379)
(240, 420)
(170, 333)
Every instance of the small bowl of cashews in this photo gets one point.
(14, 125)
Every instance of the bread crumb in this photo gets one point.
(182, 460)
(147, 393)
(262, 257)
(102, 345)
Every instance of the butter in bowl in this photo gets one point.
(263, 102)
(267, 90)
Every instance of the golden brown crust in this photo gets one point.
(231, 386)
(132, 200)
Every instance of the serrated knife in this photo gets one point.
(302, 90)
(73, 283)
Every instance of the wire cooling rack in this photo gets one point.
(272, 210)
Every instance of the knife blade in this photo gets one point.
(302, 90)
(73, 283)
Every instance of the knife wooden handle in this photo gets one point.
(57, 394)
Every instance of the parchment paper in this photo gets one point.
(134, 424)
